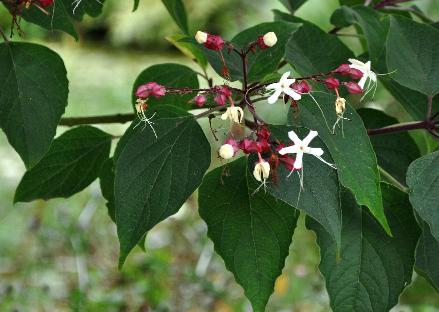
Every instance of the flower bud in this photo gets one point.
(201, 37)
(261, 171)
(226, 151)
(223, 93)
(45, 3)
(200, 100)
(267, 41)
(353, 87)
(343, 69)
(214, 42)
(332, 83)
(356, 74)
(234, 113)
(248, 146)
(340, 106)
(301, 87)
(150, 88)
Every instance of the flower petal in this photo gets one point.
(356, 62)
(273, 86)
(284, 77)
(296, 96)
(312, 134)
(289, 150)
(316, 151)
(299, 160)
(274, 97)
(293, 137)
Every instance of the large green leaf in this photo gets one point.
(33, 96)
(311, 51)
(178, 12)
(320, 197)
(59, 18)
(293, 5)
(73, 162)
(155, 176)
(106, 182)
(352, 152)
(412, 52)
(188, 49)
(374, 268)
(427, 256)
(260, 63)
(61, 14)
(169, 75)
(395, 151)
(374, 26)
(423, 181)
(251, 231)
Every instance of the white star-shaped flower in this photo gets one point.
(301, 147)
(366, 69)
(283, 87)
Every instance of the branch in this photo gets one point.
(3, 35)
(425, 124)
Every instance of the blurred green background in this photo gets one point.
(62, 255)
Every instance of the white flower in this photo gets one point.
(283, 86)
(201, 37)
(262, 171)
(270, 39)
(234, 113)
(365, 68)
(301, 147)
(226, 151)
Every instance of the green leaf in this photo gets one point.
(92, 8)
(352, 152)
(395, 151)
(374, 268)
(293, 5)
(320, 197)
(59, 18)
(427, 256)
(154, 177)
(136, 5)
(260, 63)
(169, 75)
(412, 53)
(251, 231)
(373, 23)
(423, 181)
(310, 50)
(188, 49)
(106, 182)
(178, 12)
(73, 162)
(33, 96)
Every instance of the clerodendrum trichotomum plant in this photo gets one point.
(368, 194)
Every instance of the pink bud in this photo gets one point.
(150, 88)
(343, 69)
(248, 146)
(200, 100)
(301, 87)
(353, 87)
(214, 42)
(332, 83)
(355, 74)
(223, 93)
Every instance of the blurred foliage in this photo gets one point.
(63, 253)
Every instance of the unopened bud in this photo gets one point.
(200, 100)
(150, 88)
(343, 69)
(353, 87)
(332, 83)
(267, 41)
(201, 37)
(356, 74)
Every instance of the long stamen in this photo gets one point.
(323, 114)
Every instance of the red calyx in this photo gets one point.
(45, 3)
(214, 42)
(223, 93)
(301, 87)
(353, 87)
(355, 74)
(261, 43)
(332, 83)
(343, 69)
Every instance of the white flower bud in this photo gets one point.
(201, 37)
(262, 171)
(234, 113)
(270, 39)
(226, 151)
(340, 106)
